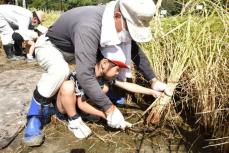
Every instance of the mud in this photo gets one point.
(18, 80)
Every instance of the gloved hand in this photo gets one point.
(116, 120)
(162, 87)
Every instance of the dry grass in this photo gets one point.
(192, 50)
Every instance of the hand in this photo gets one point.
(162, 87)
(116, 120)
(155, 93)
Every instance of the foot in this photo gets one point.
(33, 134)
(30, 60)
(12, 58)
(79, 128)
(20, 57)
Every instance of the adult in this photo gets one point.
(12, 18)
(79, 34)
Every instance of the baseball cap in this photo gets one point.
(138, 14)
(115, 55)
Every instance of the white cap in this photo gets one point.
(42, 29)
(115, 54)
(138, 14)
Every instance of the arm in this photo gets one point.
(144, 67)
(24, 17)
(137, 88)
(142, 62)
(30, 47)
(86, 42)
(86, 107)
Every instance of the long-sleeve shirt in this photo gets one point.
(78, 31)
(18, 17)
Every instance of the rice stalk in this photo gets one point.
(192, 51)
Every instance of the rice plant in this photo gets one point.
(191, 50)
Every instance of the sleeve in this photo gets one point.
(86, 45)
(141, 61)
(28, 34)
(24, 19)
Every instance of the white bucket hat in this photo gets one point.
(115, 54)
(138, 14)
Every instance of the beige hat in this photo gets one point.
(40, 15)
(115, 54)
(138, 14)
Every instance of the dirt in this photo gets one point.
(142, 138)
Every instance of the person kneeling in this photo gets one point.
(71, 96)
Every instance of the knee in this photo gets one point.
(67, 88)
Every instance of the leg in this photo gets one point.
(6, 36)
(66, 103)
(57, 71)
(18, 48)
(66, 99)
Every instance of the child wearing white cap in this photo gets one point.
(71, 95)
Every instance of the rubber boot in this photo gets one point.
(9, 52)
(37, 116)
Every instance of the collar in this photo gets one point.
(109, 34)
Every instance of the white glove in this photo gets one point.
(162, 87)
(126, 124)
(116, 120)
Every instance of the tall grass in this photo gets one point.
(192, 51)
(51, 17)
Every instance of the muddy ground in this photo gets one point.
(143, 138)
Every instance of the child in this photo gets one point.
(27, 39)
(71, 94)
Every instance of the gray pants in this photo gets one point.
(53, 61)
(5, 31)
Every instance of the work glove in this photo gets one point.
(162, 87)
(116, 120)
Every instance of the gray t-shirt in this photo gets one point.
(78, 31)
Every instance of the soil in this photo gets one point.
(142, 138)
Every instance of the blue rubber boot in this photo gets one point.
(36, 118)
(118, 100)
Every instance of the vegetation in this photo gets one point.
(190, 52)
